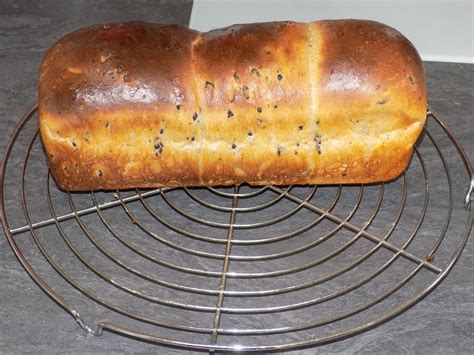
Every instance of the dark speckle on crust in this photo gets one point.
(259, 109)
(158, 146)
(317, 141)
(195, 116)
(229, 114)
(245, 92)
(209, 86)
(255, 72)
(234, 145)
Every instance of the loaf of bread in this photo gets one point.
(147, 105)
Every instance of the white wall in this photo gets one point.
(441, 30)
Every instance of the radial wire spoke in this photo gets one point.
(89, 210)
(225, 267)
(365, 234)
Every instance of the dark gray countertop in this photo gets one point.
(442, 323)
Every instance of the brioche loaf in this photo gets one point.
(148, 105)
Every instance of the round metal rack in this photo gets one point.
(241, 268)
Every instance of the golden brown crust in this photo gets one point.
(144, 105)
(249, 81)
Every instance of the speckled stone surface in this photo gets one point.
(441, 323)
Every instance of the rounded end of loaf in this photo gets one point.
(369, 66)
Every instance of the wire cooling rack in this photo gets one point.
(241, 268)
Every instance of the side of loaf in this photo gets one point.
(146, 105)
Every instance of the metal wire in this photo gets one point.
(245, 252)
